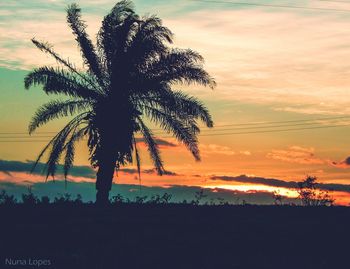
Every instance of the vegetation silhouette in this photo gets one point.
(277, 197)
(72, 234)
(310, 195)
(128, 82)
(6, 199)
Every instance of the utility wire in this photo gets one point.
(21, 133)
(288, 121)
(335, 1)
(205, 130)
(215, 127)
(272, 5)
(217, 134)
(272, 131)
(28, 137)
(210, 131)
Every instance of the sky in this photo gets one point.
(279, 66)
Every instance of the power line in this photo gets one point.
(217, 134)
(206, 131)
(259, 127)
(215, 127)
(28, 137)
(21, 133)
(335, 1)
(275, 131)
(271, 5)
(24, 141)
(288, 121)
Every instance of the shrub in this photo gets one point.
(29, 198)
(310, 195)
(6, 199)
(199, 195)
(117, 199)
(45, 200)
(67, 199)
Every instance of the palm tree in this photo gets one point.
(128, 78)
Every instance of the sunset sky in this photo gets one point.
(277, 69)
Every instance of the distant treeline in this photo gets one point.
(309, 195)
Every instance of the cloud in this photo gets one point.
(17, 166)
(343, 164)
(276, 58)
(221, 150)
(279, 183)
(245, 152)
(305, 72)
(296, 154)
(216, 149)
(159, 141)
(301, 155)
(154, 171)
(128, 170)
(257, 180)
(81, 172)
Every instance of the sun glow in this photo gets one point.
(257, 188)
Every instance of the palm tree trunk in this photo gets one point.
(104, 180)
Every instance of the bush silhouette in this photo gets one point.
(310, 195)
(6, 199)
(30, 198)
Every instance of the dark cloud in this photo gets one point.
(343, 164)
(129, 170)
(257, 180)
(154, 171)
(78, 171)
(280, 183)
(347, 161)
(159, 141)
(17, 166)
(146, 171)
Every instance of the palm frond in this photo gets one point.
(138, 159)
(59, 81)
(152, 147)
(87, 48)
(179, 104)
(184, 133)
(56, 109)
(56, 145)
(192, 106)
(106, 38)
(149, 41)
(181, 66)
(70, 150)
(48, 48)
(42, 152)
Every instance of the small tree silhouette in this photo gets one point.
(310, 195)
(199, 195)
(277, 197)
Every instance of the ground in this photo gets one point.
(175, 236)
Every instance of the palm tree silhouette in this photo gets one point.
(128, 79)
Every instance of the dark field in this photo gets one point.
(176, 236)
